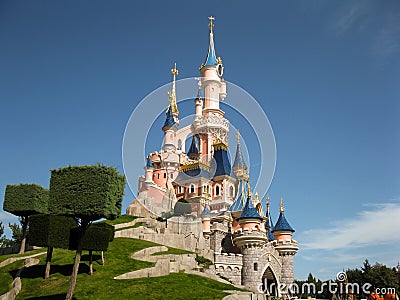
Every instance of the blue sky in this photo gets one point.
(325, 73)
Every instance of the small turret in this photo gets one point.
(269, 224)
(282, 229)
(149, 171)
(205, 219)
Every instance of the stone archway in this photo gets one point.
(269, 282)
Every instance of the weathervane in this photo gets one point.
(211, 24)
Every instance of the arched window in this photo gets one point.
(192, 188)
(179, 189)
(217, 191)
(231, 191)
(165, 175)
(171, 176)
(255, 267)
(179, 145)
(158, 176)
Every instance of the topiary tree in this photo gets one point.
(97, 238)
(24, 200)
(51, 232)
(87, 193)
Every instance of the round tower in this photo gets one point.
(251, 238)
(286, 246)
(205, 219)
(149, 171)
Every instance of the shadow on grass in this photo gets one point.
(51, 297)
(95, 258)
(37, 271)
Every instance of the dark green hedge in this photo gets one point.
(97, 237)
(26, 199)
(91, 192)
(182, 208)
(50, 231)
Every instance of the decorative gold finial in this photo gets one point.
(248, 189)
(172, 94)
(211, 24)
(267, 200)
(238, 136)
(219, 60)
(282, 209)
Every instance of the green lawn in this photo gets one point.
(4, 257)
(6, 275)
(102, 285)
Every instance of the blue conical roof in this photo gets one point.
(269, 224)
(239, 161)
(206, 211)
(169, 120)
(193, 147)
(249, 212)
(211, 59)
(239, 202)
(282, 224)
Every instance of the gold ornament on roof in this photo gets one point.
(172, 94)
(282, 209)
(211, 24)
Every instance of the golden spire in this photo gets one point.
(238, 137)
(211, 24)
(267, 200)
(248, 189)
(172, 93)
(282, 209)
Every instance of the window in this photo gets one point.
(171, 176)
(179, 190)
(217, 190)
(192, 188)
(165, 175)
(255, 267)
(231, 191)
(158, 176)
(179, 145)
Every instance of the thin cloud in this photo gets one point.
(378, 224)
(6, 217)
(349, 16)
(387, 41)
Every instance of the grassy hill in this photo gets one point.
(101, 284)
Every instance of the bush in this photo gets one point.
(25, 199)
(50, 231)
(96, 238)
(91, 192)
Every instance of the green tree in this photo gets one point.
(17, 234)
(24, 200)
(87, 193)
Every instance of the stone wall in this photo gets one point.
(229, 266)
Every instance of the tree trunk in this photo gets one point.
(24, 222)
(74, 275)
(90, 262)
(102, 258)
(48, 262)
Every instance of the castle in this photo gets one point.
(230, 223)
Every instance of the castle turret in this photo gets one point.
(205, 219)
(286, 246)
(193, 152)
(269, 225)
(250, 238)
(149, 171)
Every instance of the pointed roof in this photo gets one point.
(270, 224)
(169, 120)
(240, 200)
(249, 212)
(282, 224)
(193, 147)
(211, 59)
(206, 211)
(223, 165)
(239, 161)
